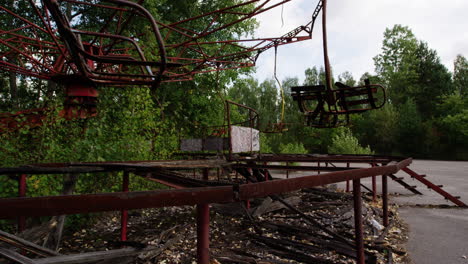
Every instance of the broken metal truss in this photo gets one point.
(201, 192)
(119, 42)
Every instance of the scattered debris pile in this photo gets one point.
(308, 226)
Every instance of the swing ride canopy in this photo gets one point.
(119, 42)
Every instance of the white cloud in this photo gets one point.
(355, 33)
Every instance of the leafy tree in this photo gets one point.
(410, 68)
(312, 76)
(396, 64)
(434, 80)
(378, 129)
(346, 78)
(460, 75)
(411, 134)
(453, 126)
(372, 78)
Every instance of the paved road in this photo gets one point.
(437, 236)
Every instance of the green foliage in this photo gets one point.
(379, 129)
(345, 143)
(292, 148)
(265, 144)
(396, 65)
(410, 129)
(347, 78)
(460, 75)
(452, 125)
(409, 68)
(133, 132)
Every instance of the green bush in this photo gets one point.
(345, 143)
(293, 148)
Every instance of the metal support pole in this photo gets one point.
(266, 171)
(358, 221)
(247, 202)
(385, 200)
(374, 187)
(287, 171)
(22, 193)
(124, 213)
(203, 233)
(205, 174)
(318, 165)
(228, 118)
(347, 181)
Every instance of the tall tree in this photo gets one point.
(434, 80)
(396, 64)
(460, 75)
(347, 78)
(410, 68)
(312, 76)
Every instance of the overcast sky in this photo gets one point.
(355, 33)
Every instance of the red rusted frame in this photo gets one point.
(262, 189)
(291, 168)
(322, 158)
(436, 188)
(124, 213)
(72, 204)
(385, 199)
(358, 230)
(22, 185)
(347, 182)
(203, 233)
(66, 53)
(374, 187)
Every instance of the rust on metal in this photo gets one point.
(434, 187)
(358, 229)
(262, 189)
(74, 204)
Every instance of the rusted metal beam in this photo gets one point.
(404, 184)
(374, 189)
(50, 170)
(347, 182)
(203, 233)
(262, 189)
(322, 158)
(385, 199)
(291, 168)
(359, 239)
(74, 204)
(436, 188)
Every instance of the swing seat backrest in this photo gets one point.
(359, 99)
(301, 94)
